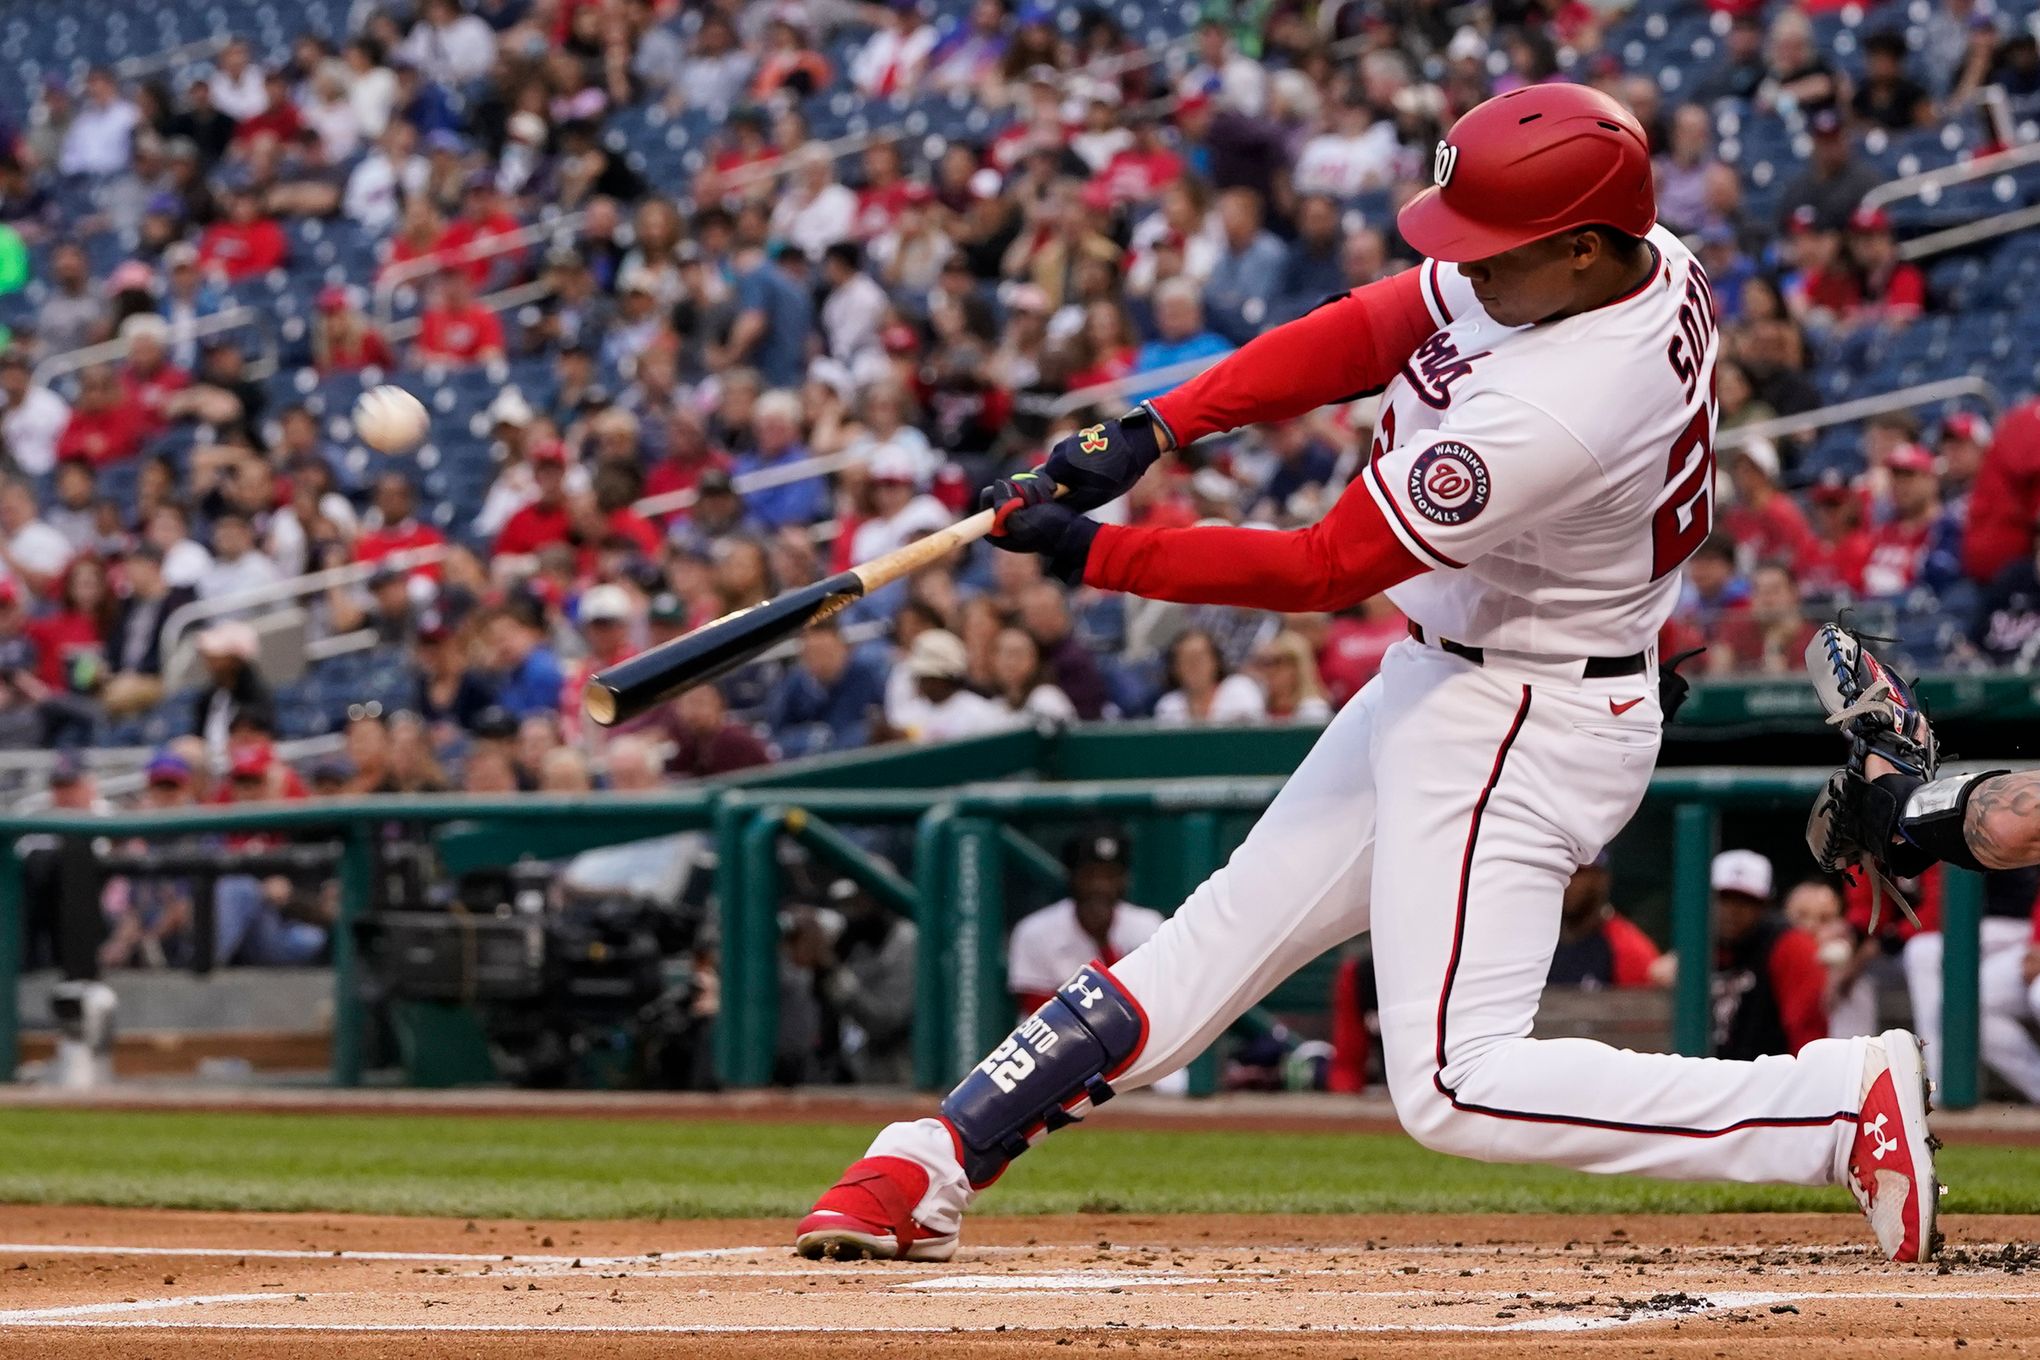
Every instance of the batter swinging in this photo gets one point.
(1542, 466)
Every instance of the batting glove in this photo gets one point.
(1100, 463)
(1016, 492)
(1050, 528)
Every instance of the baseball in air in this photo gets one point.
(390, 420)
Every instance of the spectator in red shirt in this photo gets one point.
(70, 642)
(1839, 541)
(419, 234)
(1768, 638)
(885, 194)
(1354, 644)
(688, 455)
(276, 124)
(748, 144)
(1599, 947)
(2005, 505)
(466, 244)
(105, 426)
(1140, 172)
(1893, 291)
(244, 244)
(395, 526)
(546, 520)
(343, 339)
(1822, 289)
(148, 379)
(456, 329)
(617, 487)
(1766, 524)
(1770, 987)
(1896, 552)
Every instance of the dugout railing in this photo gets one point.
(944, 834)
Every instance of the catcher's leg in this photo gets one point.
(1296, 887)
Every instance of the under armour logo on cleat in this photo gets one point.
(1875, 1128)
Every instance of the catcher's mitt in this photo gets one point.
(1855, 821)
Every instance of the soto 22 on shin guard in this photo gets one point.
(1041, 1078)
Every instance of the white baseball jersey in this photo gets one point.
(1553, 476)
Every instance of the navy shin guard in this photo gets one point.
(1041, 1077)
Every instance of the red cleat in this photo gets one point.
(1891, 1161)
(869, 1213)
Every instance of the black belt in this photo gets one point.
(1598, 667)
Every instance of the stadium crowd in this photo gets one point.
(924, 306)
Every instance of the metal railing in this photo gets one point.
(284, 592)
(502, 300)
(399, 276)
(851, 143)
(1980, 167)
(133, 68)
(111, 351)
(1925, 394)
(1969, 233)
(121, 771)
(763, 479)
(1120, 389)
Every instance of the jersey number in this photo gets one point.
(1686, 515)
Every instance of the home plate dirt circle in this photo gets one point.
(95, 1282)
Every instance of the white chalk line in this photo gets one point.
(17, 1316)
(307, 1254)
(1066, 1280)
(109, 1317)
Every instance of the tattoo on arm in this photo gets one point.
(2002, 822)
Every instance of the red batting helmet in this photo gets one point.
(1529, 164)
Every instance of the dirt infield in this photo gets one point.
(102, 1283)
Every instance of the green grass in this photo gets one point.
(522, 1167)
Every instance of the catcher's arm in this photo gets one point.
(2001, 825)
(1888, 809)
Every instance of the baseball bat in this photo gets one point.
(640, 683)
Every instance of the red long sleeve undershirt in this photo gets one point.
(1331, 354)
(1347, 347)
(1346, 557)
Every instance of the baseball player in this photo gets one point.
(1542, 465)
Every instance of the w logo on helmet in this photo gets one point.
(1092, 439)
(1443, 161)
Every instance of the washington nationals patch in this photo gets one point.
(1449, 483)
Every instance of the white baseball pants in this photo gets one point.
(1445, 808)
